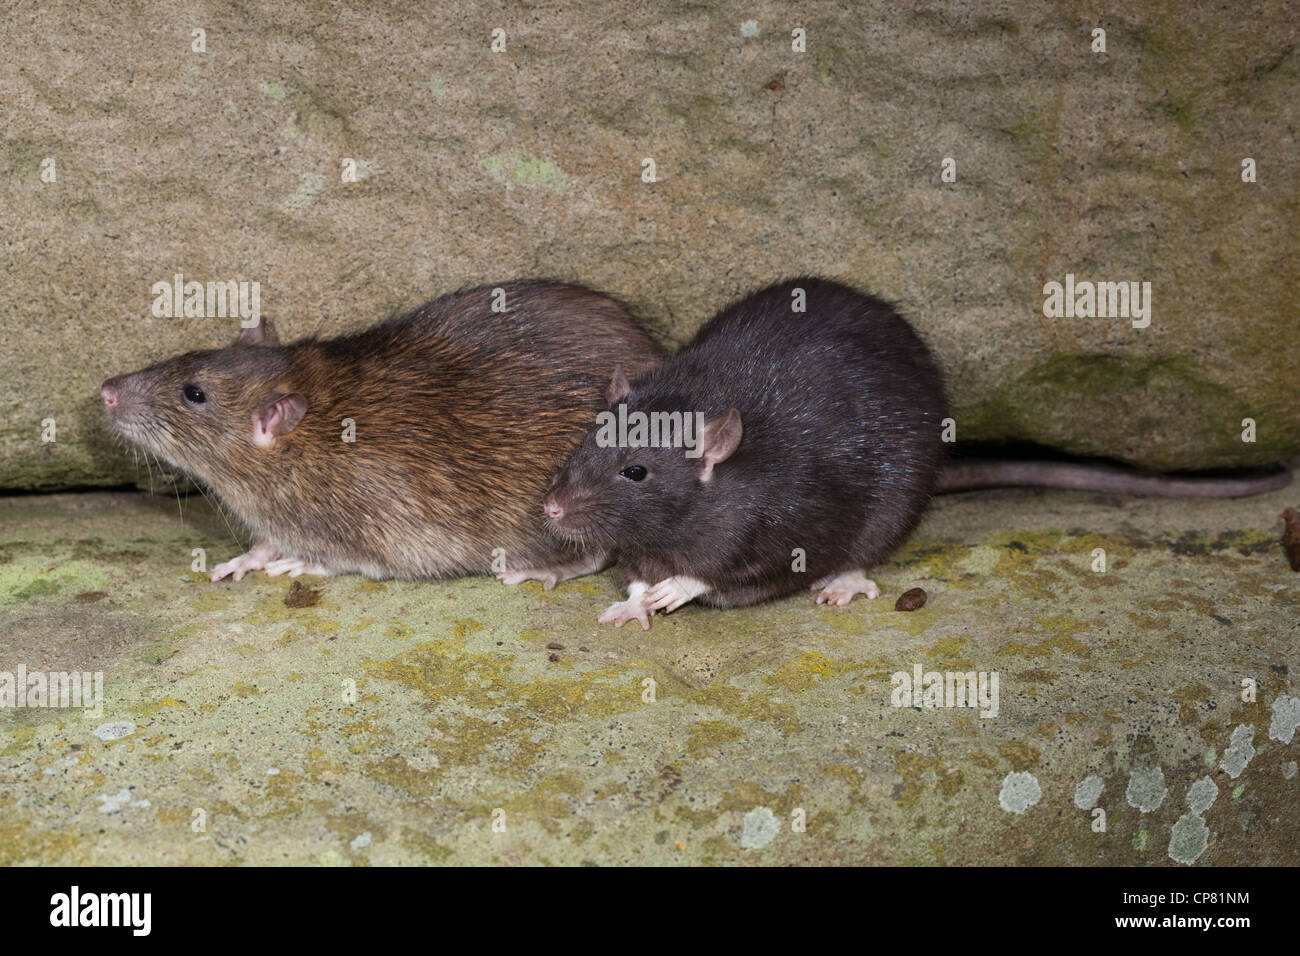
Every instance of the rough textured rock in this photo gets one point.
(477, 166)
(228, 699)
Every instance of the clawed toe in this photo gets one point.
(624, 611)
(671, 593)
(294, 567)
(839, 589)
(548, 578)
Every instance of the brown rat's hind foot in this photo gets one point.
(553, 574)
(839, 589)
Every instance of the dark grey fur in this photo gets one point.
(841, 408)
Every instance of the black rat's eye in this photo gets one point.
(633, 473)
(193, 394)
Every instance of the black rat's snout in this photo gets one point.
(560, 504)
(569, 509)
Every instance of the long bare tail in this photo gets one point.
(967, 475)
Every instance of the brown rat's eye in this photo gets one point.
(633, 473)
(193, 394)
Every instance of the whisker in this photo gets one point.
(216, 506)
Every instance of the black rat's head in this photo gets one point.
(641, 472)
(208, 412)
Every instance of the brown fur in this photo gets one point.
(462, 417)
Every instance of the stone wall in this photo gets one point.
(477, 166)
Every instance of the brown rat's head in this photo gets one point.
(644, 475)
(204, 410)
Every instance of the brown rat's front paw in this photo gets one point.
(630, 610)
(255, 559)
(294, 567)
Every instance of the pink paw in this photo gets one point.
(671, 593)
(547, 576)
(630, 610)
(840, 589)
(254, 560)
(294, 567)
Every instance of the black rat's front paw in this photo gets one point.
(671, 593)
(630, 610)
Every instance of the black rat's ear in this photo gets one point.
(263, 333)
(718, 441)
(619, 387)
(278, 417)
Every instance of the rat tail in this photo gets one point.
(969, 474)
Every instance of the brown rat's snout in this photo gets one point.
(554, 510)
(119, 397)
(128, 404)
(109, 391)
(123, 398)
(127, 407)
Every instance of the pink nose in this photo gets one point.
(553, 511)
(109, 394)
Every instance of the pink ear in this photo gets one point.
(278, 417)
(719, 441)
(261, 334)
(619, 387)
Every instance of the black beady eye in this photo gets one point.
(633, 472)
(193, 394)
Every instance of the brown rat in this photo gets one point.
(818, 446)
(460, 416)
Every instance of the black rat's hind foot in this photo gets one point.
(839, 589)
(551, 575)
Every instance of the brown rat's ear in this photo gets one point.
(718, 441)
(261, 334)
(619, 387)
(278, 417)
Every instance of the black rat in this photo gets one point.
(810, 443)
(461, 414)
